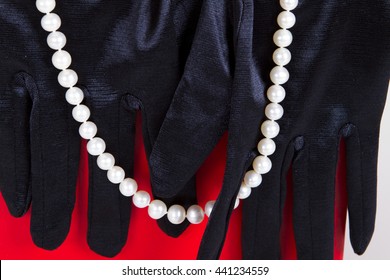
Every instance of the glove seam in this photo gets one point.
(43, 177)
(239, 25)
(20, 210)
(360, 187)
(348, 130)
(14, 145)
(307, 150)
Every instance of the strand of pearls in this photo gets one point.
(96, 146)
(276, 94)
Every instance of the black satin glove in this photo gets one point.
(339, 75)
(129, 56)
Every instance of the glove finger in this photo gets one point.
(55, 148)
(361, 157)
(263, 209)
(215, 232)
(108, 210)
(185, 19)
(15, 108)
(186, 197)
(198, 114)
(245, 103)
(314, 171)
(151, 122)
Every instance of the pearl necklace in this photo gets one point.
(96, 146)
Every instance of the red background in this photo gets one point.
(145, 239)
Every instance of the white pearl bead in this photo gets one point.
(176, 214)
(195, 214)
(286, 19)
(270, 129)
(279, 75)
(141, 199)
(289, 4)
(106, 161)
(50, 22)
(128, 187)
(81, 113)
(209, 207)
(56, 40)
(88, 130)
(244, 192)
(96, 146)
(283, 38)
(237, 203)
(276, 93)
(266, 146)
(262, 164)
(116, 174)
(252, 179)
(274, 111)
(45, 6)
(281, 56)
(157, 209)
(67, 78)
(74, 96)
(61, 59)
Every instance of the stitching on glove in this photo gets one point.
(351, 131)
(28, 83)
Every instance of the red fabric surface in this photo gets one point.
(145, 239)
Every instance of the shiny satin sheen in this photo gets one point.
(340, 72)
(130, 56)
(132, 61)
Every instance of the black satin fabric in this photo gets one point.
(339, 78)
(129, 56)
(196, 79)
